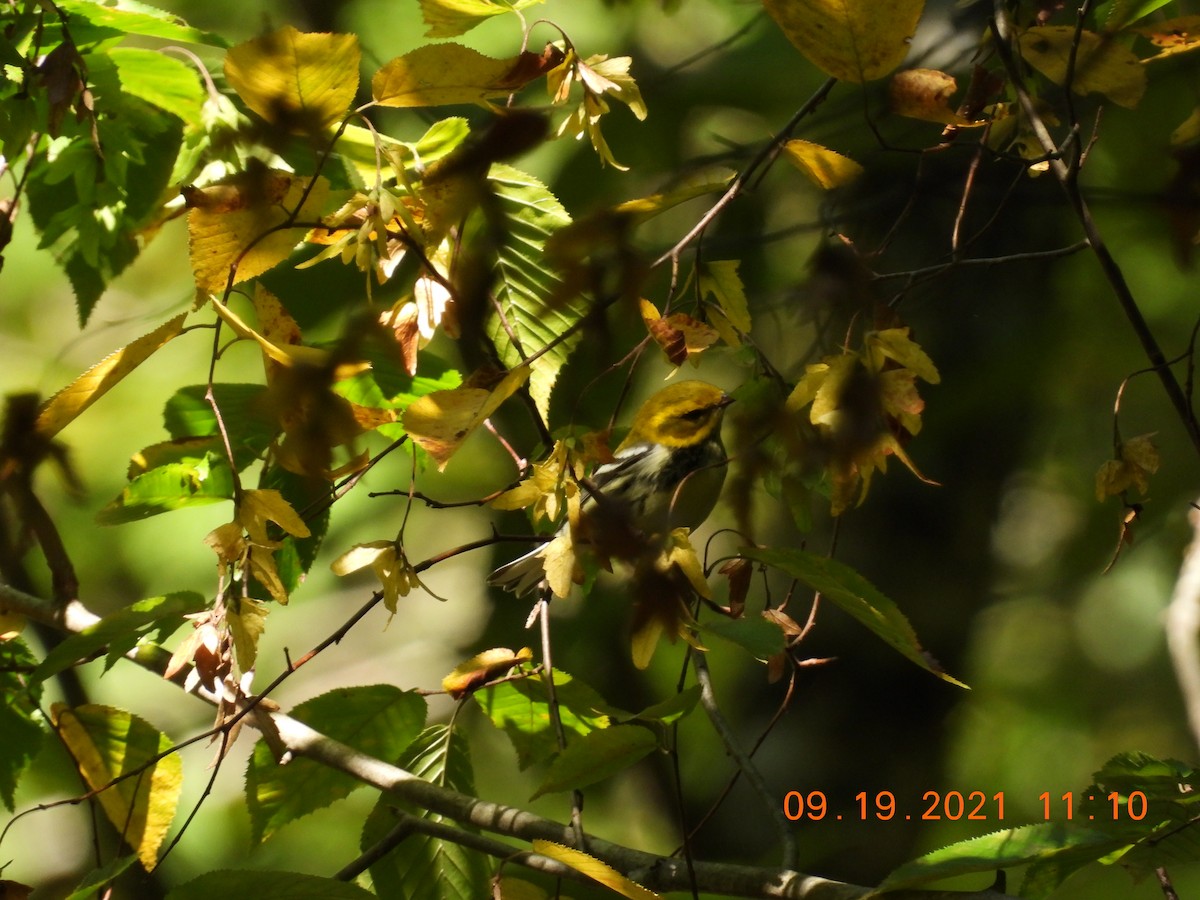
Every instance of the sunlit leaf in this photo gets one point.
(61, 409)
(169, 487)
(925, 94)
(444, 74)
(144, 20)
(441, 421)
(237, 223)
(594, 869)
(1102, 65)
(481, 668)
(1174, 36)
(106, 743)
(520, 709)
(161, 80)
(450, 18)
(247, 620)
(529, 290)
(852, 40)
(301, 82)
(825, 168)
(119, 632)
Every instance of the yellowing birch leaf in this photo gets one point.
(61, 409)
(286, 355)
(825, 168)
(594, 869)
(219, 234)
(301, 82)
(852, 40)
(262, 506)
(1102, 66)
(387, 561)
(247, 620)
(442, 74)
(439, 422)
(487, 666)
(895, 344)
(720, 278)
(449, 18)
(1174, 36)
(925, 94)
(1138, 460)
(560, 565)
(106, 743)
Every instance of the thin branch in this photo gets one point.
(658, 873)
(708, 700)
(1065, 174)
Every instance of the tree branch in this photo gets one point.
(659, 873)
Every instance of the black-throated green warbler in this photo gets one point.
(666, 474)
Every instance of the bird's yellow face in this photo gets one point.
(682, 415)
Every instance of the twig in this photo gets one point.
(708, 700)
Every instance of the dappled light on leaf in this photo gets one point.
(825, 168)
(482, 668)
(300, 82)
(444, 74)
(1102, 65)
(852, 40)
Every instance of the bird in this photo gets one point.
(666, 474)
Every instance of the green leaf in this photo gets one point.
(597, 756)
(519, 708)
(1059, 843)
(425, 868)
(852, 40)
(843, 586)
(139, 18)
(118, 633)
(529, 292)
(162, 81)
(98, 878)
(759, 637)
(244, 411)
(107, 743)
(379, 720)
(670, 710)
(169, 487)
(449, 18)
(266, 885)
(20, 722)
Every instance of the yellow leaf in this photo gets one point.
(260, 560)
(594, 869)
(362, 555)
(11, 624)
(442, 74)
(720, 278)
(1138, 460)
(560, 565)
(823, 167)
(482, 668)
(228, 543)
(1102, 65)
(286, 355)
(852, 40)
(679, 335)
(106, 743)
(61, 409)
(259, 507)
(1174, 36)
(806, 388)
(219, 234)
(826, 406)
(247, 620)
(895, 344)
(275, 323)
(681, 553)
(697, 185)
(301, 82)
(439, 422)
(925, 94)
(449, 18)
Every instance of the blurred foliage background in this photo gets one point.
(1000, 569)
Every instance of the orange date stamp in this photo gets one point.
(970, 806)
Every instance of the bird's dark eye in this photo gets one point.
(695, 415)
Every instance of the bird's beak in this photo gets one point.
(724, 401)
